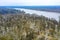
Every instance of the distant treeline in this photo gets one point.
(40, 8)
(9, 11)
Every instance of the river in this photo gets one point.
(44, 13)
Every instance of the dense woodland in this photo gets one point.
(22, 26)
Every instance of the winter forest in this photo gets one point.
(17, 25)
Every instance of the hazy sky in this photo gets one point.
(28, 2)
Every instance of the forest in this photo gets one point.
(17, 25)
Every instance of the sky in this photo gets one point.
(29, 2)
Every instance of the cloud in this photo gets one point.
(29, 2)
